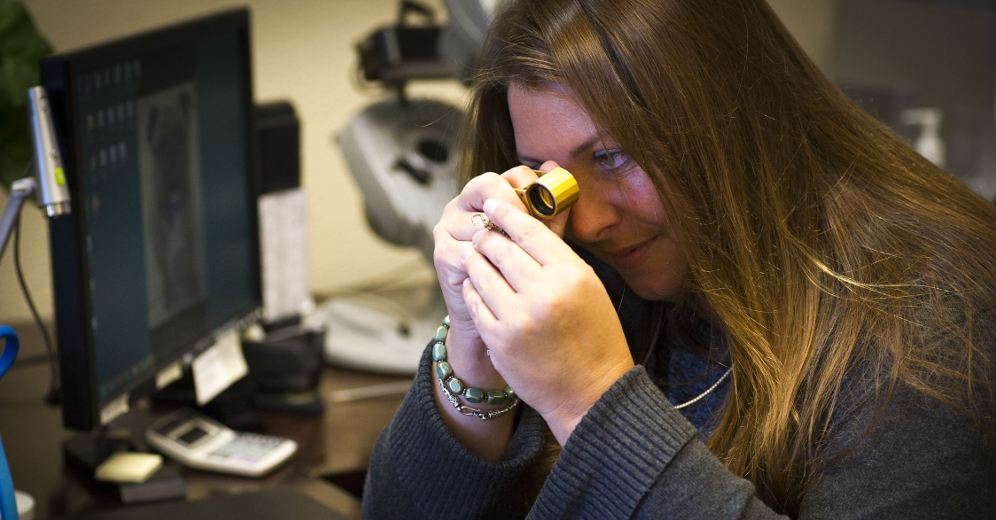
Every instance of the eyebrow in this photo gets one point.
(575, 152)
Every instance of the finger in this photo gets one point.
(447, 257)
(462, 217)
(548, 166)
(491, 286)
(520, 176)
(454, 227)
(516, 266)
(558, 224)
(479, 311)
(483, 187)
(530, 234)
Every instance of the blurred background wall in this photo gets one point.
(304, 52)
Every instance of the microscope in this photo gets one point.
(402, 154)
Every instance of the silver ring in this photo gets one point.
(482, 221)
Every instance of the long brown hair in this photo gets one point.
(817, 238)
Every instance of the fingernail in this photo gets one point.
(489, 205)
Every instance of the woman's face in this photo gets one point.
(619, 217)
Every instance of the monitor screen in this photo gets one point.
(160, 253)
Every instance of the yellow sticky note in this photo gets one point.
(128, 467)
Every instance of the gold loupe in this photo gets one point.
(552, 193)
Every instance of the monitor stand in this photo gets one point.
(85, 452)
(383, 333)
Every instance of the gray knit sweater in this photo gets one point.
(635, 456)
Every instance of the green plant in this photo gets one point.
(21, 48)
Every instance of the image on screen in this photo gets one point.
(171, 193)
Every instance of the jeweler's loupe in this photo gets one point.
(552, 193)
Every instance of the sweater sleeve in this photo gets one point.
(419, 471)
(635, 456)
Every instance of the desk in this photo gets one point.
(334, 445)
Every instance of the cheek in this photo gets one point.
(640, 196)
(663, 277)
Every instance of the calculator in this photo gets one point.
(200, 442)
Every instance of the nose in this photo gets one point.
(594, 214)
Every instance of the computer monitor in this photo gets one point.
(160, 254)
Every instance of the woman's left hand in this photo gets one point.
(552, 331)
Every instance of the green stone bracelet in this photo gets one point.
(452, 385)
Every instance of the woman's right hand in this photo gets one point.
(465, 349)
(452, 237)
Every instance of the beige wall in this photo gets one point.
(812, 23)
(303, 51)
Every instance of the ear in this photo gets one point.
(150, 129)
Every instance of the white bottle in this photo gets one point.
(928, 143)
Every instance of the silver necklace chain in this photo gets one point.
(653, 345)
(707, 390)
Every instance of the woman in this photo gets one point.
(764, 302)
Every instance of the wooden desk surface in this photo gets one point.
(337, 442)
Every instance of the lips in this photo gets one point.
(631, 256)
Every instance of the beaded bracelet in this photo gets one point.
(452, 386)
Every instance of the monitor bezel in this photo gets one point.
(80, 403)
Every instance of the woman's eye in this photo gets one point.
(611, 160)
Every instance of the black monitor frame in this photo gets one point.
(67, 236)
